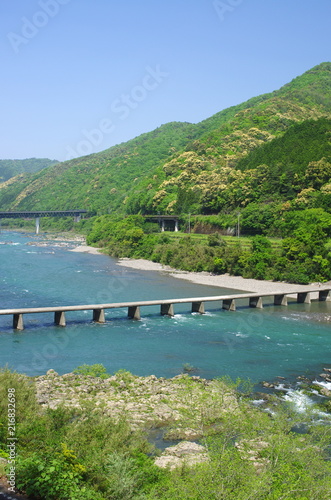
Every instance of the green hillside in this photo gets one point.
(206, 178)
(10, 168)
(98, 182)
(313, 88)
(298, 161)
(183, 167)
(301, 144)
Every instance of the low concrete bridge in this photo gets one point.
(167, 306)
(25, 214)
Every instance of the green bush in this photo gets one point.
(215, 240)
(97, 370)
(54, 476)
(219, 266)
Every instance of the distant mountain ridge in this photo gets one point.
(181, 166)
(11, 168)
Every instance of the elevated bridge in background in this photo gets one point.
(36, 214)
(162, 219)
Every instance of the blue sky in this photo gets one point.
(78, 76)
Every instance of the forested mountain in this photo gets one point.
(258, 151)
(10, 168)
(98, 182)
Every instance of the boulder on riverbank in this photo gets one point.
(184, 453)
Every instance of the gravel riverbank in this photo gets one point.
(222, 280)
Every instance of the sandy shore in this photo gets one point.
(223, 280)
(203, 278)
(86, 249)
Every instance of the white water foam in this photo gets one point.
(327, 385)
(302, 403)
(258, 402)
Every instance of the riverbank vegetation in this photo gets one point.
(73, 447)
(303, 255)
(281, 245)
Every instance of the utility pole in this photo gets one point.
(238, 225)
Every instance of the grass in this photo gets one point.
(245, 241)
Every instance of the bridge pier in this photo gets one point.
(324, 296)
(18, 322)
(280, 300)
(304, 298)
(37, 225)
(229, 304)
(167, 310)
(134, 312)
(99, 316)
(198, 307)
(60, 318)
(256, 302)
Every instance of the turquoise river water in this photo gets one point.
(255, 344)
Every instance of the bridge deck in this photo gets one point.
(198, 305)
(41, 213)
(118, 305)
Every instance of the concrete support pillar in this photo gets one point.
(256, 302)
(280, 300)
(134, 312)
(229, 304)
(324, 296)
(99, 316)
(198, 307)
(60, 318)
(162, 225)
(304, 298)
(18, 322)
(77, 218)
(37, 225)
(176, 226)
(167, 310)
